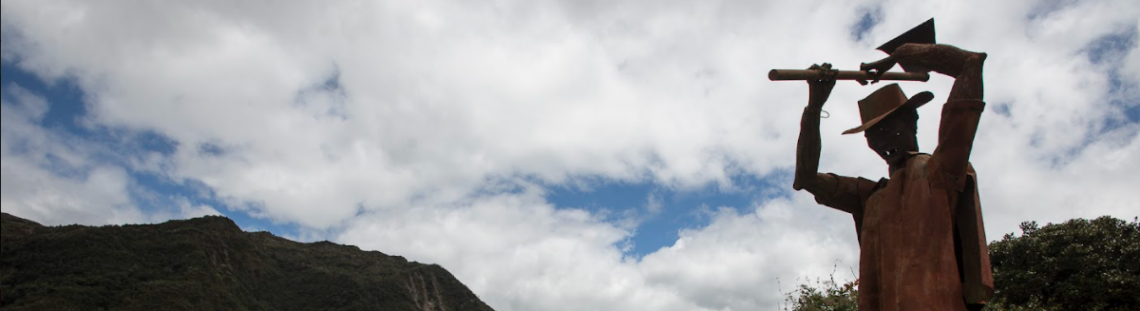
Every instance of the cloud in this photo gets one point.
(501, 247)
(431, 109)
(45, 178)
(98, 199)
(59, 177)
(718, 266)
(523, 254)
(433, 129)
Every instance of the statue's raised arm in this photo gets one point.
(965, 103)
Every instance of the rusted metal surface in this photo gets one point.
(809, 74)
(923, 33)
(921, 233)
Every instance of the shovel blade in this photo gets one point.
(924, 33)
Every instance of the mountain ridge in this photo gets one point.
(209, 264)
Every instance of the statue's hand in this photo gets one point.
(820, 88)
(877, 69)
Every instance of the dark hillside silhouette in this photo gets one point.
(209, 264)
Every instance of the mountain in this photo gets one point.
(208, 264)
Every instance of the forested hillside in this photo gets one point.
(209, 264)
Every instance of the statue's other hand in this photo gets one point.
(878, 68)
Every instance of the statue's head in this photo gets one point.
(890, 122)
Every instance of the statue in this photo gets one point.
(921, 236)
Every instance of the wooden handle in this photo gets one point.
(804, 75)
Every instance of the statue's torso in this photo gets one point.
(908, 260)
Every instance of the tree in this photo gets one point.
(1076, 265)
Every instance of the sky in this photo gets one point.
(553, 155)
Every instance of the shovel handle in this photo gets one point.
(804, 75)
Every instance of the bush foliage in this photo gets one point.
(824, 296)
(1077, 265)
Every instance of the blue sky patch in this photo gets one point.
(660, 212)
(1110, 51)
(1112, 48)
(211, 149)
(64, 96)
(1044, 8)
(1002, 109)
(868, 21)
(150, 191)
(330, 87)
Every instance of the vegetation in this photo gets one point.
(1076, 265)
(824, 296)
(208, 264)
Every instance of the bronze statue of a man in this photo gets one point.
(921, 235)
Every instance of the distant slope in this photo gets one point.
(208, 264)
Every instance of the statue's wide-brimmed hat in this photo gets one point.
(884, 102)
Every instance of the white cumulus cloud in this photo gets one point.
(432, 129)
